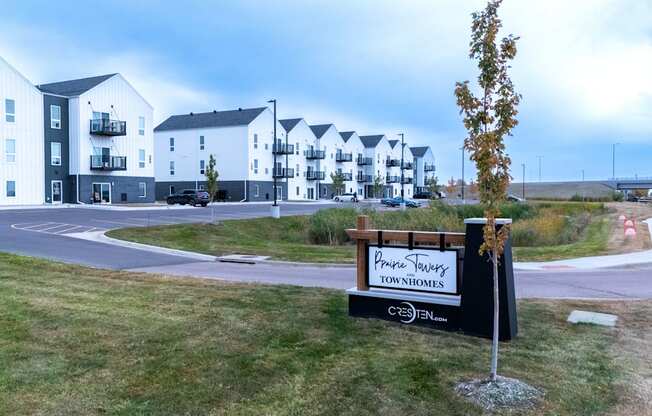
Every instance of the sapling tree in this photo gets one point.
(378, 185)
(488, 118)
(338, 182)
(211, 178)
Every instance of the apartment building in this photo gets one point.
(242, 143)
(99, 145)
(424, 167)
(303, 185)
(21, 139)
(353, 146)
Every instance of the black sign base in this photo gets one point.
(408, 312)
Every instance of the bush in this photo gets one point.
(327, 226)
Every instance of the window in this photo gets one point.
(142, 189)
(265, 146)
(266, 171)
(55, 117)
(255, 166)
(201, 187)
(11, 188)
(297, 170)
(171, 189)
(171, 167)
(255, 141)
(55, 154)
(141, 158)
(202, 167)
(171, 144)
(297, 148)
(201, 142)
(297, 191)
(256, 190)
(10, 110)
(10, 150)
(141, 126)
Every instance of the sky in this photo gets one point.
(584, 68)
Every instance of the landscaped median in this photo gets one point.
(541, 231)
(76, 340)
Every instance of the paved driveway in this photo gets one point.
(42, 233)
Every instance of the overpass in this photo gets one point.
(628, 184)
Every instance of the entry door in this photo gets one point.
(279, 192)
(311, 193)
(102, 193)
(57, 192)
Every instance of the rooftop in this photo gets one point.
(371, 141)
(290, 123)
(320, 129)
(73, 87)
(239, 117)
(346, 135)
(419, 151)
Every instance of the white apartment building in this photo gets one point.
(21, 139)
(242, 143)
(355, 148)
(99, 142)
(302, 185)
(424, 166)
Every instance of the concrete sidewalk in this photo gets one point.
(595, 262)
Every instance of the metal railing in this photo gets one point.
(363, 178)
(106, 127)
(103, 162)
(343, 157)
(406, 180)
(283, 149)
(315, 175)
(407, 165)
(315, 154)
(428, 168)
(283, 172)
(362, 161)
(392, 162)
(392, 179)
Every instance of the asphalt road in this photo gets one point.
(42, 233)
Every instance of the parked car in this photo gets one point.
(395, 202)
(423, 195)
(190, 197)
(514, 198)
(346, 197)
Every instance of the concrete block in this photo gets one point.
(585, 317)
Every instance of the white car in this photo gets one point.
(346, 198)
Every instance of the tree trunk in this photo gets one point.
(494, 343)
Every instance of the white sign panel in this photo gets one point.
(416, 269)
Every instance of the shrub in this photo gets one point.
(327, 226)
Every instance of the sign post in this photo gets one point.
(428, 279)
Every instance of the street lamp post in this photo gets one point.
(540, 158)
(276, 210)
(402, 170)
(613, 160)
(523, 164)
(463, 183)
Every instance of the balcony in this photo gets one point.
(364, 161)
(315, 154)
(283, 149)
(347, 176)
(343, 157)
(407, 180)
(392, 179)
(106, 127)
(428, 168)
(103, 162)
(283, 172)
(392, 162)
(406, 166)
(315, 175)
(364, 178)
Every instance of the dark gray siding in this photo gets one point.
(62, 136)
(120, 186)
(235, 190)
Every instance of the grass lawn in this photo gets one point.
(76, 340)
(593, 243)
(282, 239)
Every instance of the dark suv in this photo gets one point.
(189, 196)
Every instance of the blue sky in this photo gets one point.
(375, 66)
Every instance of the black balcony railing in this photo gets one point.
(106, 127)
(103, 162)
(283, 172)
(347, 176)
(428, 168)
(407, 165)
(362, 161)
(364, 178)
(315, 154)
(392, 179)
(393, 162)
(315, 175)
(407, 180)
(343, 157)
(283, 149)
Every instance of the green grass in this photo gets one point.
(593, 242)
(320, 238)
(75, 340)
(282, 239)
